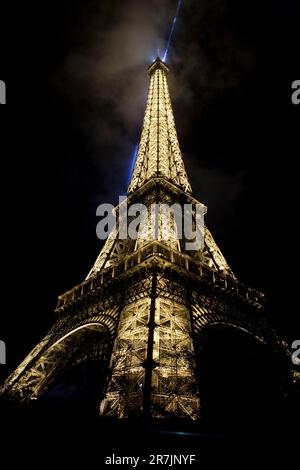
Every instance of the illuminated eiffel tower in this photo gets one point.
(147, 304)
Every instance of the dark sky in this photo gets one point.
(76, 89)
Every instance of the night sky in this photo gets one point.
(76, 82)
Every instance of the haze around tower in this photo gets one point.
(108, 71)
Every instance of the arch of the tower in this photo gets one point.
(72, 368)
(242, 380)
(208, 310)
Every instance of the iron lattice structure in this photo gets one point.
(146, 304)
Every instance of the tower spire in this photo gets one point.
(159, 151)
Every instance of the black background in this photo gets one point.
(65, 149)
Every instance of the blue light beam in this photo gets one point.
(172, 30)
(133, 162)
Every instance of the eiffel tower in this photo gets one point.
(146, 306)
